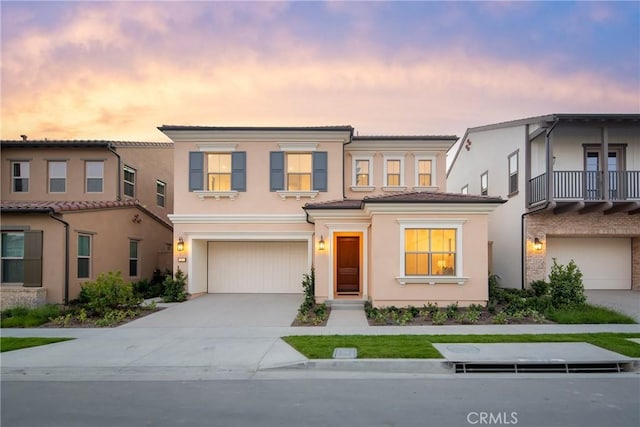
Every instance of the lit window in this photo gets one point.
(430, 252)
(362, 173)
(424, 173)
(299, 171)
(393, 173)
(219, 172)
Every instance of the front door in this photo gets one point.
(348, 265)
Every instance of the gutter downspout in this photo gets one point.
(548, 205)
(66, 255)
(119, 175)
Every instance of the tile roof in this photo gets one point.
(256, 128)
(58, 207)
(40, 143)
(405, 138)
(410, 197)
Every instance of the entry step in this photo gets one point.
(346, 304)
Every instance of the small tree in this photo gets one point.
(174, 289)
(309, 290)
(566, 285)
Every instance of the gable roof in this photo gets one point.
(547, 120)
(415, 197)
(61, 207)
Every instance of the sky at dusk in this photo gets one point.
(117, 70)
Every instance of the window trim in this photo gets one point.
(287, 173)
(87, 177)
(163, 195)
(49, 177)
(88, 257)
(434, 182)
(512, 191)
(132, 184)
(452, 223)
(354, 177)
(484, 191)
(208, 174)
(21, 177)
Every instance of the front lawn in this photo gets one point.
(22, 317)
(587, 313)
(420, 346)
(12, 343)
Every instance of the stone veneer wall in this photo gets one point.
(575, 225)
(18, 296)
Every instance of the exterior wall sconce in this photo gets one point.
(537, 244)
(321, 243)
(180, 245)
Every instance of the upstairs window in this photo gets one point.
(129, 181)
(94, 173)
(20, 177)
(424, 173)
(393, 177)
(362, 173)
(57, 176)
(219, 172)
(484, 183)
(161, 193)
(465, 189)
(298, 171)
(513, 173)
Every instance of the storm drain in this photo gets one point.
(567, 368)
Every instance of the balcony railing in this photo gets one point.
(586, 185)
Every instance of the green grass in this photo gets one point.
(420, 346)
(587, 313)
(21, 317)
(12, 343)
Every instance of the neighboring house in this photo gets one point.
(573, 187)
(258, 207)
(74, 209)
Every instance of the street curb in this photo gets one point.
(423, 366)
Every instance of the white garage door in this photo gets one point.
(604, 262)
(256, 267)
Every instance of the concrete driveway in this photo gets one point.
(627, 302)
(225, 310)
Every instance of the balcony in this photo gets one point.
(588, 191)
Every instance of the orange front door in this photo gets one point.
(348, 265)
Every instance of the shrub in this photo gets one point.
(540, 287)
(541, 303)
(439, 317)
(566, 285)
(500, 318)
(452, 309)
(174, 289)
(309, 291)
(109, 292)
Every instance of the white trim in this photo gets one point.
(431, 280)
(399, 189)
(431, 224)
(284, 194)
(216, 194)
(426, 189)
(350, 228)
(238, 219)
(392, 156)
(434, 182)
(354, 159)
(298, 146)
(217, 147)
(362, 189)
(426, 208)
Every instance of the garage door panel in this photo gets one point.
(604, 262)
(256, 267)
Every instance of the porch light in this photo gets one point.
(537, 244)
(321, 243)
(180, 245)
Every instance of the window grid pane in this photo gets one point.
(84, 256)
(299, 171)
(160, 193)
(129, 182)
(20, 177)
(94, 174)
(219, 168)
(430, 252)
(133, 258)
(362, 173)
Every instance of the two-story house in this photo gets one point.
(258, 207)
(74, 209)
(572, 182)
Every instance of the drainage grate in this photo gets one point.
(568, 368)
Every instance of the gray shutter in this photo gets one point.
(239, 171)
(320, 170)
(196, 170)
(32, 259)
(276, 178)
